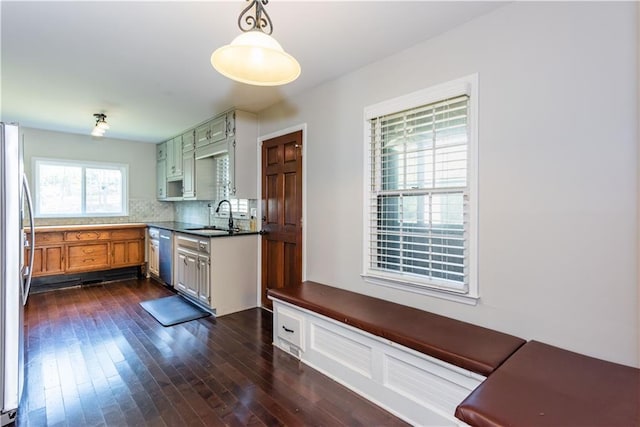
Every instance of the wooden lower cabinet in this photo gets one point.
(78, 249)
(47, 260)
(126, 253)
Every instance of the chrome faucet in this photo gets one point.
(230, 213)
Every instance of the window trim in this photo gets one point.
(123, 167)
(467, 85)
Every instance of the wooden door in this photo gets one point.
(281, 213)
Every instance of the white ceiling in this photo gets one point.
(146, 64)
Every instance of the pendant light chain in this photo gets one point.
(261, 21)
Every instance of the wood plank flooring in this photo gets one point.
(94, 357)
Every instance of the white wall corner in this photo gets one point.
(638, 172)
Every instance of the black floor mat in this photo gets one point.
(172, 310)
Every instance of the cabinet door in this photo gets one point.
(125, 253)
(188, 175)
(218, 128)
(161, 179)
(244, 152)
(186, 272)
(154, 257)
(53, 260)
(232, 185)
(204, 280)
(202, 135)
(231, 124)
(174, 158)
(177, 156)
(171, 158)
(188, 141)
(47, 260)
(161, 151)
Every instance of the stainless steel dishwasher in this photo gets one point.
(166, 257)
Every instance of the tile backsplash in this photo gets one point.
(140, 210)
(203, 212)
(143, 210)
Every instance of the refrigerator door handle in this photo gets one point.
(32, 244)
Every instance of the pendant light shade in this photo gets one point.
(254, 57)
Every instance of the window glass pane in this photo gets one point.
(75, 188)
(451, 166)
(60, 189)
(103, 190)
(419, 178)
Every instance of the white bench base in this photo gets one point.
(417, 388)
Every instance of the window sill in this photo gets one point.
(432, 292)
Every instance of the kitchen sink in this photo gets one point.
(209, 230)
(206, 227)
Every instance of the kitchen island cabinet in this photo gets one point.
(220, 273)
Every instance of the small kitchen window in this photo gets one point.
(73, 188)
(420, 204)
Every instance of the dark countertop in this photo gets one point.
(184, 227)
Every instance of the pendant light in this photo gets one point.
(101, 124)
(254, 57)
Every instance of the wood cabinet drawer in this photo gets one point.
(86, 235)
(45, 238)
(87, 257)
(127, 234)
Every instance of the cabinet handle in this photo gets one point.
(79, 234)
(88, 260)
(87, 251)
(287, 329)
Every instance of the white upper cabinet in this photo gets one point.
(174, 159)
(212, 131)
(187, 163)
(243, 155)
(188, 141)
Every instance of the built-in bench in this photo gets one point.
(542, 385)
(416, 364)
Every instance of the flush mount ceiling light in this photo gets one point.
(254, 57)
(101, 124)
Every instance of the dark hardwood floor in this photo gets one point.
(95, 357)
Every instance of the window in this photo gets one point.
(420, 204)
(70, 188)
(223, 182)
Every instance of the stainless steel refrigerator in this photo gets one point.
(15, 276)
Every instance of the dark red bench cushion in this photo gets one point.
(542, 385)
(468, 346)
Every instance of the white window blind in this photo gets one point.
(222, 177)
(418, 208)
(223, 183)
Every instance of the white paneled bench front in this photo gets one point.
(416, 364)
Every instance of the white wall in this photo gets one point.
(558, 159)
(141, 158)
(638, 170)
